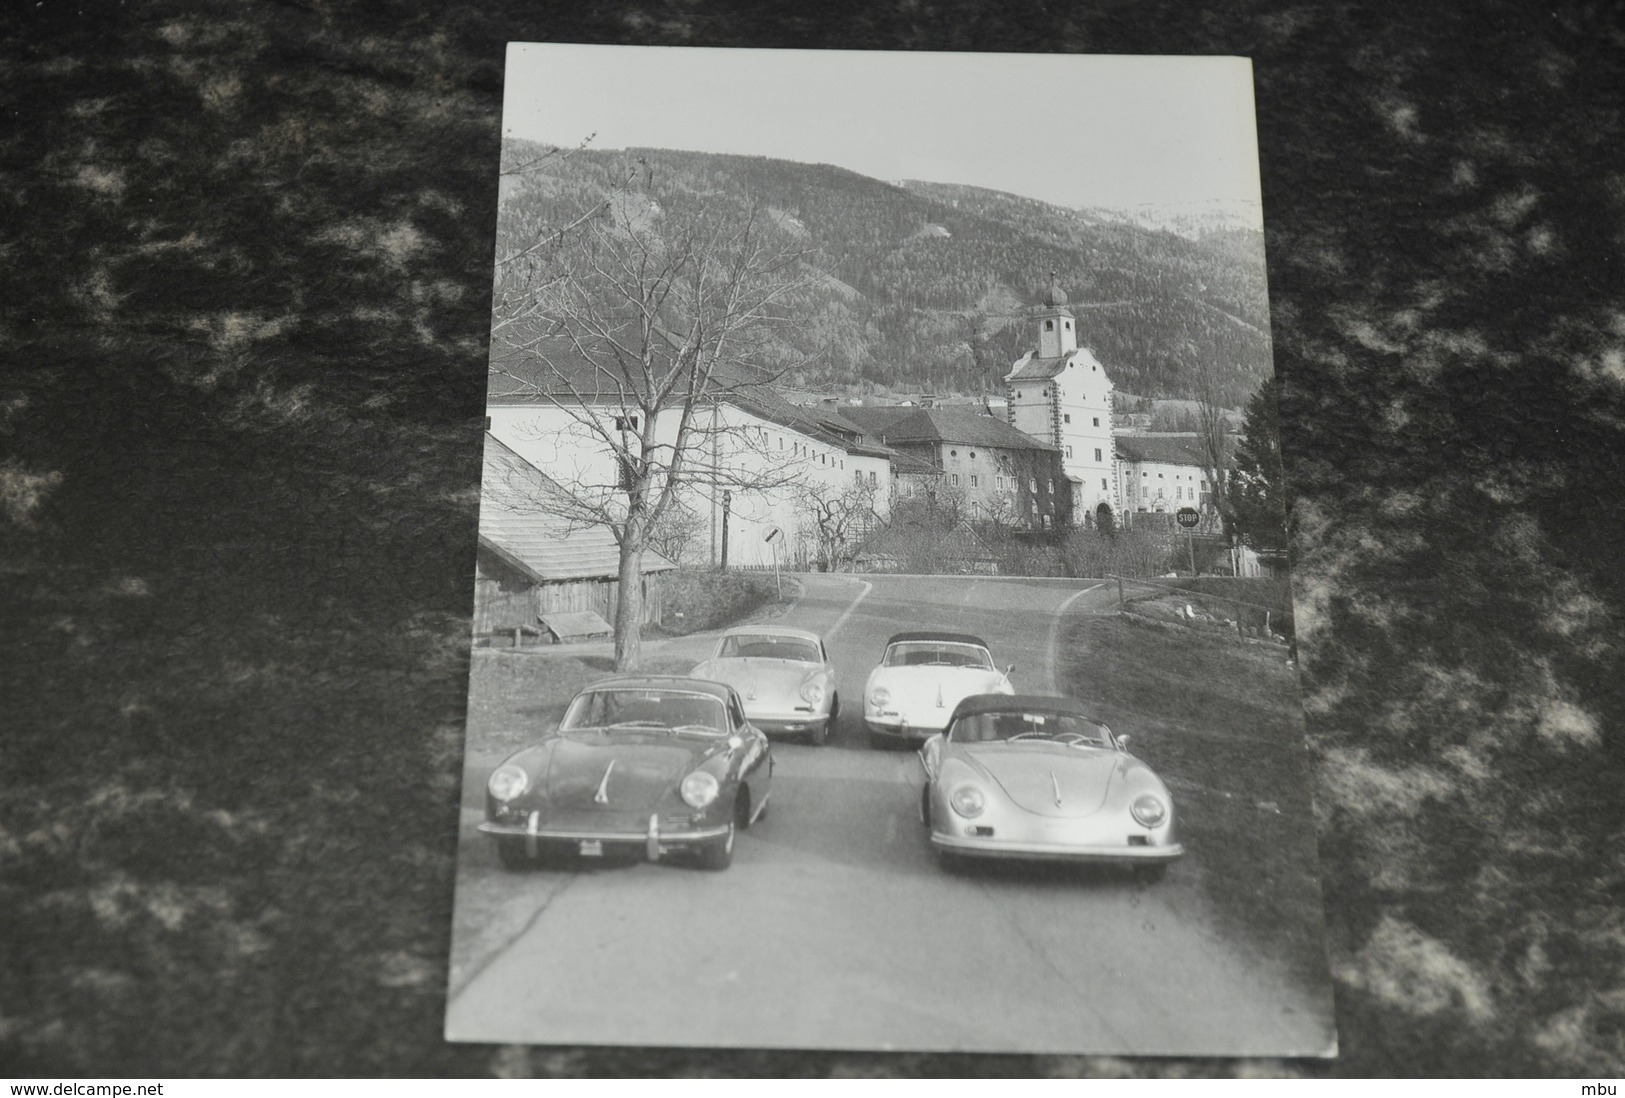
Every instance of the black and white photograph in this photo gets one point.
(883, 634)
(313, 499)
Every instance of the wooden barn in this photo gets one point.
(532, 562)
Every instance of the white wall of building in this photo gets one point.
(1160, 486)
(745, 447)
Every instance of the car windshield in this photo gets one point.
(645, 710)
(1012, 724)
(769, 648)
(937, 654)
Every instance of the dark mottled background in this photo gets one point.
(246, 262)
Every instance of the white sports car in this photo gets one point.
(783, 675)
(921, 677)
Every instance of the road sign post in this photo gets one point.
(1188, 517)
(773, 537)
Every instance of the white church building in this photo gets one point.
(1059, 393)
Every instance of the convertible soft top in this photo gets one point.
(1006, 703)
(947, 638)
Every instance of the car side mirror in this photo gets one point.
(735, 743)
(1122, 741)
(1008, 668)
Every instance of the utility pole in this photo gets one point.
(727, 505)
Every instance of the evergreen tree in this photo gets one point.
(1258, 487)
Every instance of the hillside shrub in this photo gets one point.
(694, 600)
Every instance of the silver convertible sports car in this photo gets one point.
(921, 678)
(783, 675)
(1030, 777)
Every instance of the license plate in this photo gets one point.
(592, 848)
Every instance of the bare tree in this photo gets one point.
(1212, 443)
(837, 517)
(645, 331)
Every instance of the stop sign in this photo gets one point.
(1187, 517)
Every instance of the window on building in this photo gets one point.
(1102, 483)
(953, 453)
(487, 423)
(975, 481)
(857, 476)
(1159, 476)
(1069, 451)
(953, 479)
(871, 478)
(1033, 484)
(1097, 421)
(1049, 325)
(626, 423)
(1044, 520)
(1097, 453)
(973, 455)
(1067, 418)
(781, 442)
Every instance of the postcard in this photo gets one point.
(883, 631)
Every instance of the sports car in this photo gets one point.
(1032, 777)
(650, 766)
(783, 675)
(921, 678)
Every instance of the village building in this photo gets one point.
(754, 456)
(1160, 473)
(1001, 474)
(531, 564)
(1059, 393)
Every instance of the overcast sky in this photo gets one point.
(1069, 129)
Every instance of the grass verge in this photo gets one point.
(1221, 722)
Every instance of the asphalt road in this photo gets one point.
(836, 928)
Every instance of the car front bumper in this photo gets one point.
(787, 724)
(901, 728)
(652, 841)
(1069, 852)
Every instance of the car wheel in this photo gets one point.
(720, 854)
(819, 734)
(511, 850)
(1151, 874)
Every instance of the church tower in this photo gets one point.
(1057, 327)
(1060, 394)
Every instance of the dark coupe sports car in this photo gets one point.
(648, 766)
(1035, 777)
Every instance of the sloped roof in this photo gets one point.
(1030, 367)
(517, 525)
(547, 370)
(962, 425)
(908, 465)
(1166, 449)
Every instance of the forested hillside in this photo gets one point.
(926, 285)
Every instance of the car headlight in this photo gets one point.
(879, 696)
(812, 691)
(699, 789)
(967, 800)
(1148, 811)
(508, 781)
